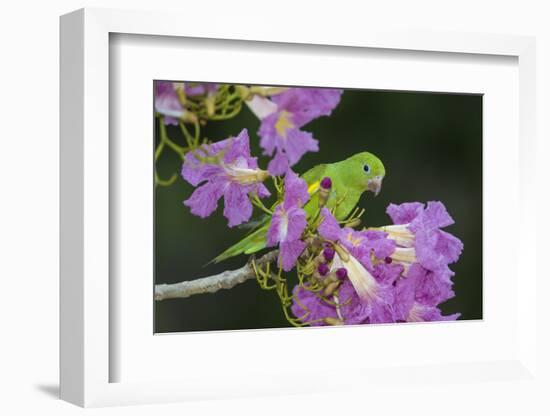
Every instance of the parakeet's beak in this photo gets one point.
(375, 184)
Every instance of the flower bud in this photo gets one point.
(210, 103)
(333, 321)
(342, 253)
(324, 191)
(354, 223)
(328, 253)
(326, 183)
(329, 290)
(188, 117)
(323, 269)
(342, 273)
(180, 91)
(331, 278)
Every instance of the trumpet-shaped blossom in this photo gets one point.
(345, 306)
(280, 131)
(361, 244)
(363, 297)
(425, 251)
(357, 253)
(167, 102)
(224, 169)
(418, 295)
(399, 274)
(289, 222)
(417, 229)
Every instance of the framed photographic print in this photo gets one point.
(314, 239)
(252, 215)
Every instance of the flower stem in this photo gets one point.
(258, 203)
(163, 142)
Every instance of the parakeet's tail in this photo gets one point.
(252, 243)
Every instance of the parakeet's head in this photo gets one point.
(368, 170)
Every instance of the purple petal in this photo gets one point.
(434, 288)
(238, 208)
(404, 213)
(210, 88)
(308, 307)
(298, 143)
(261, 190)
(438, 215)
(268, 134)
(261, 107)
(404, 295)
(377, 309)
(204, 200)
(417, 296)
(297, 223)
(386, 274)
(353, 310)
(278, 221)
(237, 147)
(290, 146)
(306, 104)
(435, 249)
(296, 193)
(278, 165)
(195, 171)
(355, 243)
(286, 225)
(329, 227)
(170, 121)
(380, 245)
(289, 251)
(194, 89)
(449, 247)
(382, 312)
(434, 216)
(430, 288)
(167, 102)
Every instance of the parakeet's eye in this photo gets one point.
(366, 168)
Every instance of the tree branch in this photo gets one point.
(211, 284)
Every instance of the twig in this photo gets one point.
(211, 284)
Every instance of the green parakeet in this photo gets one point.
(350, 178)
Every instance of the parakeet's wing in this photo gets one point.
(252, 243)
(256, 240)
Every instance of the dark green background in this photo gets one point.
(431, 146)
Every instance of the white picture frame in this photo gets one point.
(86, 327)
